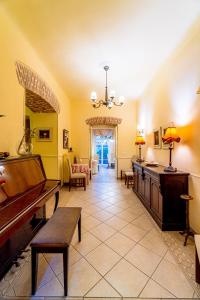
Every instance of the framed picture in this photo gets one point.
(165, 146)
(65, 139)
(44, 134)
(157, 138)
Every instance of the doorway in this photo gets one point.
(103, 144)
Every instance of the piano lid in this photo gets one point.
(18, 175)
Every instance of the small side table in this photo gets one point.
(187, 232)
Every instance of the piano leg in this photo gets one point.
(56, 200)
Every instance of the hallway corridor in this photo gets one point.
(122, 253)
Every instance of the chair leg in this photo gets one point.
(84, 183)
(125, 177)
(65, 270)
(121, 174)
(34, 269)
(79, 229)
(128, 178)
(69, 185)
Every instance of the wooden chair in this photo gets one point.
(76, 179)
(129, 178)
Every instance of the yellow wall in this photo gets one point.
(47, 149)
(14, 46)
(171, 96)
(126, 130)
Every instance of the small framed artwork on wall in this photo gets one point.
(44, 134)
(65, 139)
(157, 138)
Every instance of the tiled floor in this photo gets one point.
(122, 253)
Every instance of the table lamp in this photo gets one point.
(169, 137)
(139, 141)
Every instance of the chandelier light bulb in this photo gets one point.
(112, 94)
(110, 104)
(121, 99)
(93, 96)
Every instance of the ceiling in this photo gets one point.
(76, 38)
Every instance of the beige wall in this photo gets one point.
(80, 142)
(14, 46)
(171, 96)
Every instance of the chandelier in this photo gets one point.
(110, 100)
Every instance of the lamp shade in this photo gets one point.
(139, 140)
(171, 136)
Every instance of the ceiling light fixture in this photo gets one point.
(110, 100)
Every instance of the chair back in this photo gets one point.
(69, 167)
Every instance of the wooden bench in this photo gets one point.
(55, 237)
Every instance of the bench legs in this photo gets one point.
(56, 200)
(79, 229)
(34, 262)
(65, 270)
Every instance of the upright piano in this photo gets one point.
(24, 190)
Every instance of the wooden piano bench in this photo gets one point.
(55, 237)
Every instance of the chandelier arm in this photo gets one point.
(98, 103)
(118, 104)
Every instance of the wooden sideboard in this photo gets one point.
(160, 192)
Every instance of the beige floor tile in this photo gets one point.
(123, 204)
(170, 277)
(90, 222)
(91, 208)
(103, 204)
(102, 289)
(113, 209)
(169, 257)
(116, 223)
(52, 288)
(126, 216)
(120, 243)
(154, 290)
(143, 222)
(56, 260)
(137, 210)
(87, 244)
(144, 259)
(133, 232)
(103, 232)
(102, 215)
(103, 259)
(82, 277)
(154, 242)
(126, 279)
(22, 283)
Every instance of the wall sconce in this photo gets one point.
(170, 137)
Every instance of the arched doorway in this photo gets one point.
(41, 110)
(103, 141)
